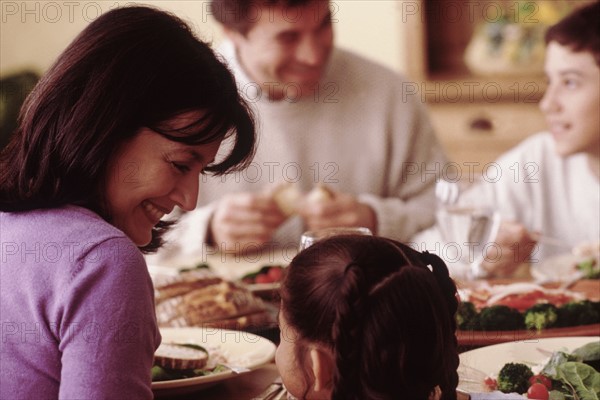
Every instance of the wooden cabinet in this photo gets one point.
(477, 118)
(479, 133)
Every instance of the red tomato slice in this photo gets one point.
(538, 391)
(275, 273)
(263, 278)
(544, 380)
(522, 301)
(491, 383)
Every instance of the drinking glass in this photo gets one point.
(471, 229)
(311, 237)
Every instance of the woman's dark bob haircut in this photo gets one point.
(132, 67)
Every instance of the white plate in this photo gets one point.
(231, 267)
(477, 364)
(241, 349)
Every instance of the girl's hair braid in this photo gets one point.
(442, 275)
(347, 332)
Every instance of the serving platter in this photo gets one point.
(585, 288)
(242, 351)
(485, 338)
(229, 266)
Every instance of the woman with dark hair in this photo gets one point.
(111, 139)
(366, 317)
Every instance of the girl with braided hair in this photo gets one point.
(364, 317)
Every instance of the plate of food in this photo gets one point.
(194, 358)
(490, 314)
(561, 364)
(200, 298)
(265, 281)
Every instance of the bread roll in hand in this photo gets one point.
(319, 194)
(287, 196)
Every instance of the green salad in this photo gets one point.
(566, 376)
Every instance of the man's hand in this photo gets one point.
(244, 221)
(340, 210)
(515, 244)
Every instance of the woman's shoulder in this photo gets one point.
(60, 222)
(69, 230)
(68, 247)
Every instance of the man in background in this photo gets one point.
(331, 124)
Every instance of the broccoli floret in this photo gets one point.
(579, 313)
(541, 316)
(514, 377)
(466, 316)
(500, 318)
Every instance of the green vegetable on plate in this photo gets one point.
(541, 316)
(514, 378)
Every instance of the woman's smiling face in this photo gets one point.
(150, 175)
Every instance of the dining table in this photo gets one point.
(253, 384)
(584, 288)
(247, 386)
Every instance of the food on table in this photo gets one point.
(186, 360)
(466, 316)
(589, 254)
(589, 268)
(266, 274)
(514, 377)
(574, 375)
(200, 298)
(520, 296)
(538, 317)
(167, 286)
(589, 354)
(541, 316)
(498, 318)
(542, 380)
(577, 313)
(490, 383)
(588, 250)
(523, 306)
(538, 391)
(180, 356)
